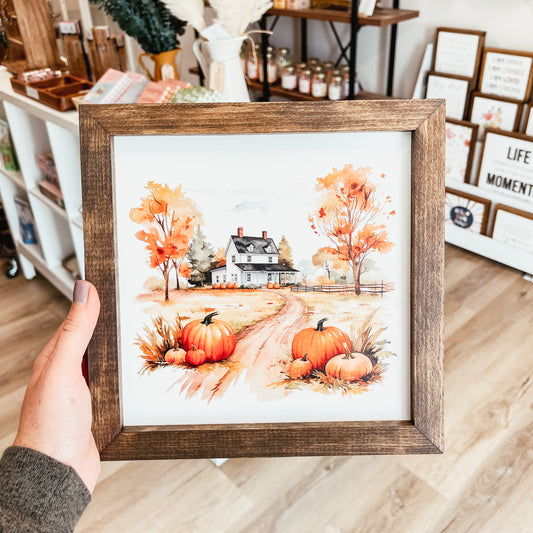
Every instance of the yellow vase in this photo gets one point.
(164, 65)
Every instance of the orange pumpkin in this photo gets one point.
(222, 286)
(175, 356)
(300, 368)
(349, 366)
(320, 344)
(270, 285)
(214, 336)
(195, 356)
(231, 285)
(276, 285)
(215, 285)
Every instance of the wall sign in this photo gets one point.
(466, 211)
(458, 51)
(454, 89)
(528, 121)
(460, 142)
(513, 227)
(507, 165)
(490, 111)
(506, 73)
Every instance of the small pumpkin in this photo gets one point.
(270, 285)
(222, 286)
(300, 368)
(231, 285)
(215, 286)
(349, 366)
(320, 344)
(195, 356)
(276, 285)
(214, 336)
(175, 356)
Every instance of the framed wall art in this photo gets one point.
(513, 227)
(461, 139)
(528, 122)
(506, 165)
(265, 288)
(454, 89)
(458, 51)
(506, 73)
(467, 211)
(489, 111)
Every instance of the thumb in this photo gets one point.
(77, 329)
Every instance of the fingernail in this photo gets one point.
(81, 291)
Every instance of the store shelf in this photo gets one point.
(382, 17)
(36, 193)
(15, 176)
(57, 275)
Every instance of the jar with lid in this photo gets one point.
(328, 68)
(345, 70)
(299, 67)
(272, 71)
(288, 78)
(313, 62)
(254, 60)
(335, 88)
(282, 59)
(319, 88)
(304, 82)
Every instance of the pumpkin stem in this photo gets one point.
(320, 324)
(304, 358)
(347, 352)
(194, 347)
(208, 319)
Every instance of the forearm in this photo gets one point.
(39, 494)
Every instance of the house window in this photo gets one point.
(233, 259)
(250, 248)
(269, 278)
(248, 277)
(270, 259)
(218, 279)
(268, 249)
(249, 258)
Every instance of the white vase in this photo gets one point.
(221, 64)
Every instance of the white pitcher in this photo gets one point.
(221, 65)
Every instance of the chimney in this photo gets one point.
(239, 232)
(264, 234)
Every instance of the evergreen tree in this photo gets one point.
(148, 21)
(201, 257)
(285, 253)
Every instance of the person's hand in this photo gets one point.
(56, 413)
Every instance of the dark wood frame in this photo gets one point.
(519, 106)
(510, 53)
(527, 117)
(424, 432)
(480, 200)
(481, 43)
(454, 77)
(470, 159)
(509, 209)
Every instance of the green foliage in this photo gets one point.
(148, 21)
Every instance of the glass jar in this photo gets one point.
(335, 88)
(280, 4)
(254, 60)
(282, 59)
(304, 82)
(272, 70)
(288, 78)
(319, 88)
(313, 62)
(345, 70)
(328, 68)
(299, 68)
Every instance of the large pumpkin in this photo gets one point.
(349, 366)
(215, 337)
(320, 344)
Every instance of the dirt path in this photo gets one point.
(261, 354)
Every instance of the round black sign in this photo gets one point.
(461, 216)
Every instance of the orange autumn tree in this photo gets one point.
(350, 215)
(169, 219)
(328, 259)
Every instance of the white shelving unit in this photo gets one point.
(36, 128)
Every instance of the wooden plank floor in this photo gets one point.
(482, 483)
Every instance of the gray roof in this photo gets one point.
(260, 245)
(262, 267)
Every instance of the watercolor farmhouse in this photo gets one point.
(253, 262)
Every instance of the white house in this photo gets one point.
(252, 261)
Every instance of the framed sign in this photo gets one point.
(528, 122)
(264, 290)
(467, 211)
(461, 139)
(454, 89)
(507, 165)
(513, 227)
(458, 51)
(495, 112)
(506, 73)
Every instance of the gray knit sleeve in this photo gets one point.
(39, 494)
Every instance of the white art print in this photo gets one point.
(514, 229)
(456, 53)
(506, 75)
(492, 113)
(507, 166)
(529, 122)
(466, 213)
(459, 143)
(454, 91)
(276, 242)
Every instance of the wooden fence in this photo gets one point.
(367, 288)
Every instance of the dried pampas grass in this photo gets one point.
(192, 11)
(236, 15)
